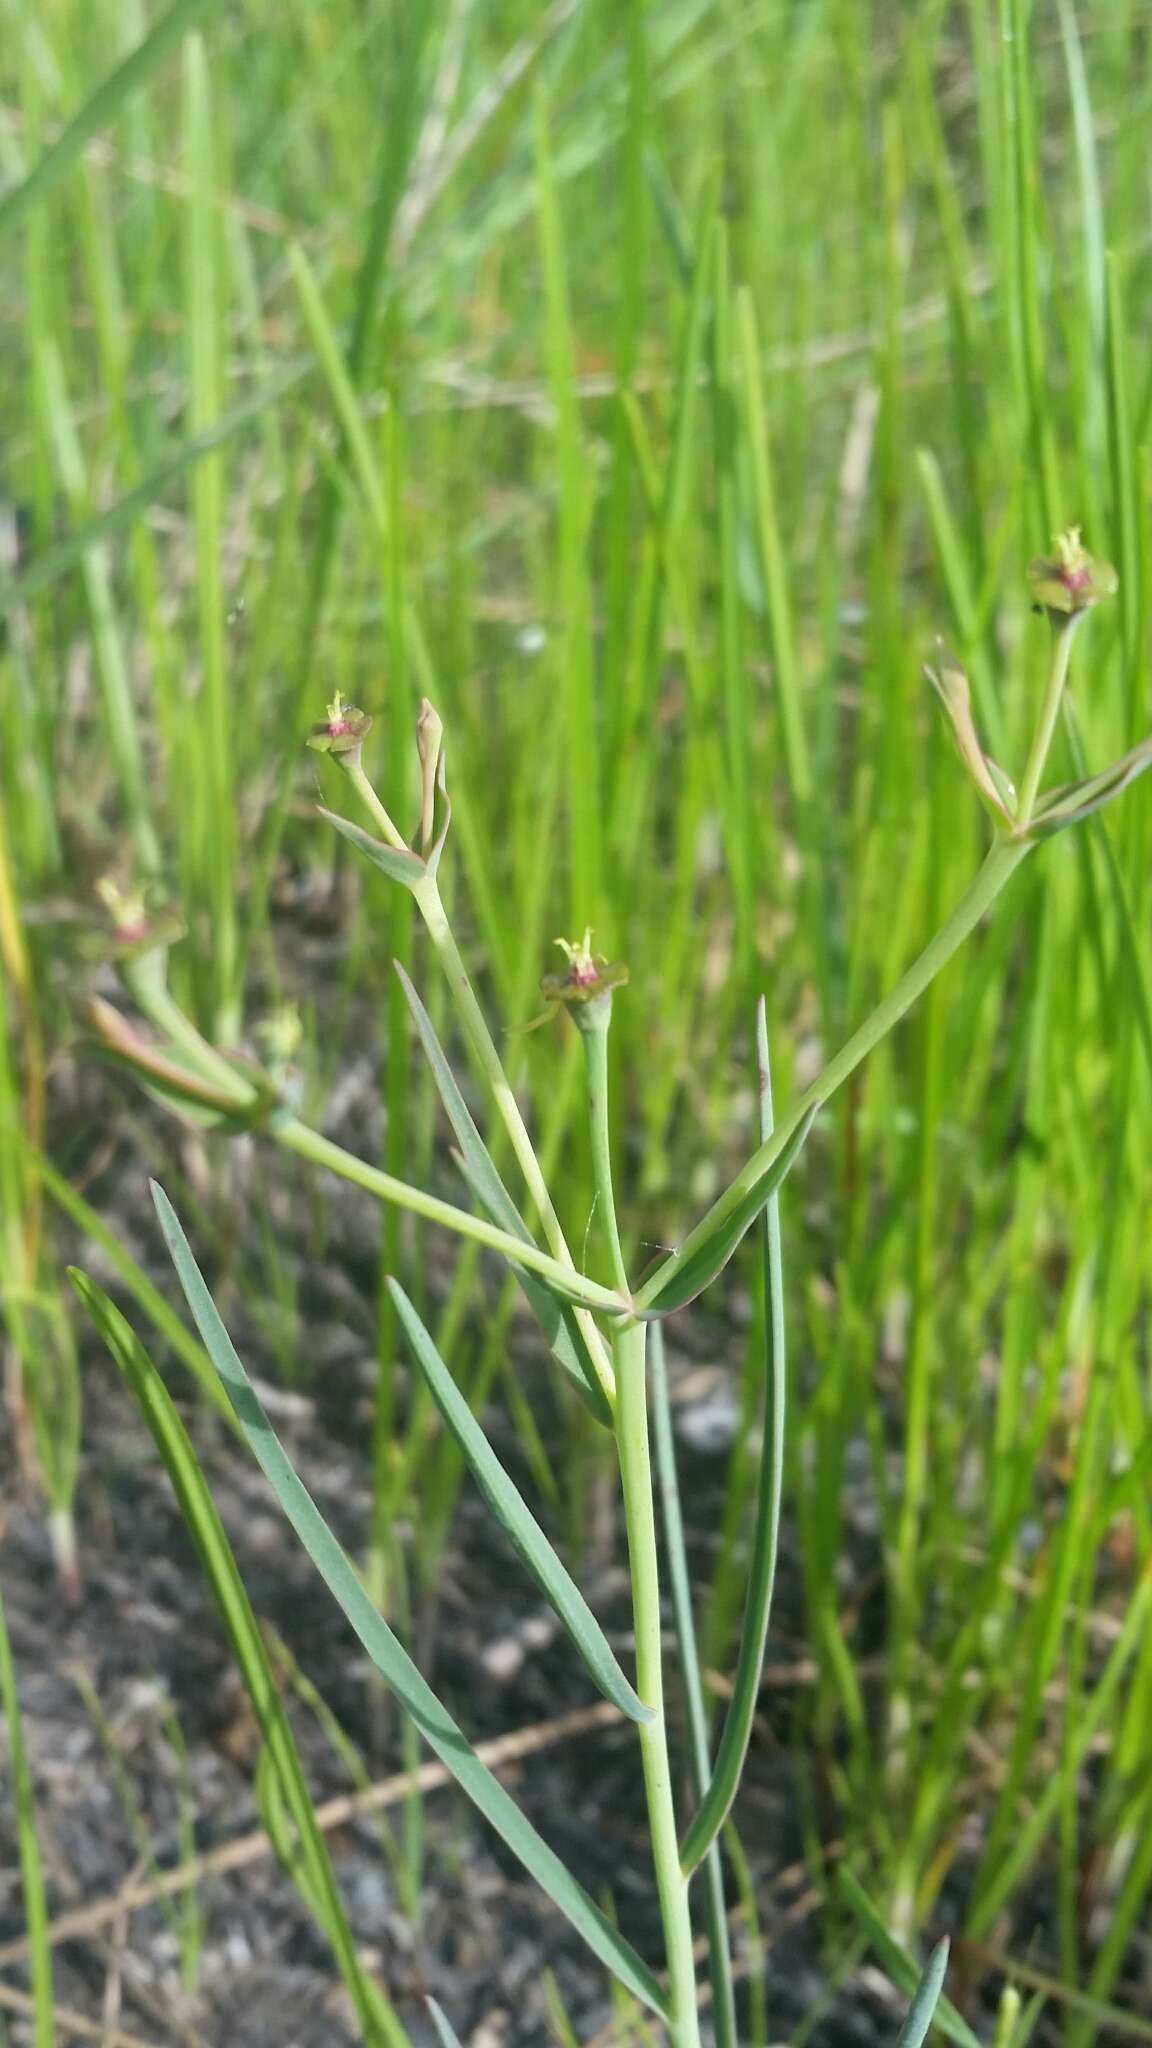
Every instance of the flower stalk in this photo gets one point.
(633, 1449)
(342, 736)
(1064, 626)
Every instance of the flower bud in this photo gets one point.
(1071, 580)
(590, 978)
(136, 928)
(342, 732)
(430, 746)
(951, 686)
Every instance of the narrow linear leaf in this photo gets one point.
(31, 1865)
(400, 867)
(101, 108)
(314, 1872)
(899, 1963)
(560, 1326)
(340, 385)
(516, 1519)
(927, 1995)
(716, 1801)
(171, 1078)
(72, 549)
(1074, 801)
(149, 1298)
(435, 1724)
(660, 1295)
(448, 2038)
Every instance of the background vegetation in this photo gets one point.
(647, 385)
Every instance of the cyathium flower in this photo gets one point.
(1070, 580)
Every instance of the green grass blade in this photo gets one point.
(318, 1882)
(435, 1724)
(31, 1868)
(101, 108)
(148, 1297)
(402, 116)
(717, 1800)
(770, 552)
(898, 1962)
(516, 1519)
(364, 457)
(54, 561)
(560, 1326)
(109, 655)
(209, 717)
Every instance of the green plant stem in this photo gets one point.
(354, 769)
(430, 904)
(145, 978)
(628, 1351)
(310, 1144)
(695, 1710)
(1000, 864)
(431, 907)
(1063, 634)
(157, 1004)
(484, 1053)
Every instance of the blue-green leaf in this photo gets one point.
(898, 1963)
(434, 1723)
(448, 2037)
(310, 1865)
(101, 108)
(688, 1278)
(516, 1519)
(400, 867)
(925, 2000)
(717, 1800)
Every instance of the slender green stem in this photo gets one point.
(1063, 634)
(696, 1713)
(354, 770)
(1001, 863)
(299, 1137)
(628, 1349)
(716, 1800)
(430, 904)
(628, 1353)
(145, 978)
(431, 907)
